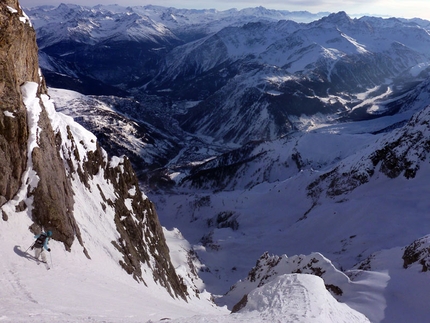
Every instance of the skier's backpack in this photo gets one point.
(40, 240)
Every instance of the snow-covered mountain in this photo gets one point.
(122, 45)
(336, 66)
(115, 22)
(251, 76)
(356, 197)
(333, 67)
(329, 196)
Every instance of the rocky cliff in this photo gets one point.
(18, 63)
(47, 162)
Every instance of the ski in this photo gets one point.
(46, 264)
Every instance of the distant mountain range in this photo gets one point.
(231, 76)
(120, 45)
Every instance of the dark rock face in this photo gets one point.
(418, 252)
(18, 63)
(53, 196)
(58, 160)
(411, 147)
(241, 304)
(226, 219)
(220, 172)
(142, 237)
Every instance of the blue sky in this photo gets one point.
(395, 8)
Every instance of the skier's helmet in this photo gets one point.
(49, 233)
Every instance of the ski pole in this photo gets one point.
(30, 247)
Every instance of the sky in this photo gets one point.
(394, 8)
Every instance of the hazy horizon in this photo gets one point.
(392, 8)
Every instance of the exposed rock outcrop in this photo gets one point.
(415, 255)
(18, 64)
(53, 196)
(418, 252)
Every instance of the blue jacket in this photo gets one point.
(45, 244)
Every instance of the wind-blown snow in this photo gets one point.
(289, 298)
(306, 293)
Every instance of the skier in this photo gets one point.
(40, 244)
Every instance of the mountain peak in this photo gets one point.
(339, 18)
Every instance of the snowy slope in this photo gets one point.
(79, 289)
(76, 289)
(379, 217)
(283, 217)
(89, 286)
